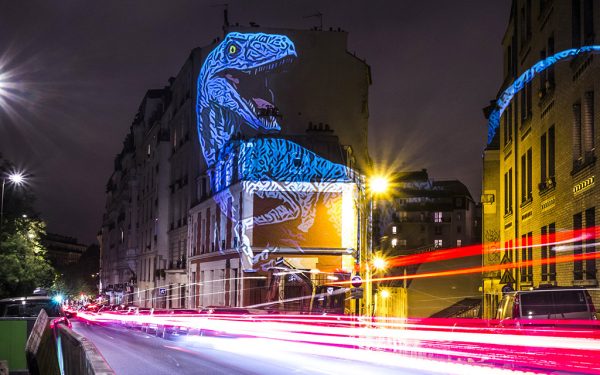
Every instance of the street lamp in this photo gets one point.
(379, 263)
(376, 185)
(17, 178)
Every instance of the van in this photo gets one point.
(547, 303)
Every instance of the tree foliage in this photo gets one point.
(80, 277)
(23, 266)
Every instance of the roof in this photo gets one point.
(453, 186)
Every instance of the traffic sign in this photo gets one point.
(162, 291)
(356, 281)
(507, 278)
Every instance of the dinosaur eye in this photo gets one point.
(233, 49)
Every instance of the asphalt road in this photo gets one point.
(131, 352)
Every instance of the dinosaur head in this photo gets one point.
(238, 72)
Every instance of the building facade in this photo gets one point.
(62, 250)
(322, 105)
(540, 166)
(166, 239)
(419, 216)
(134, 236)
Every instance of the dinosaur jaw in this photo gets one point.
(252, 87)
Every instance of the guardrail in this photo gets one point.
(53, 348)
(79, 355)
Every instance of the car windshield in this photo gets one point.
(29, 308)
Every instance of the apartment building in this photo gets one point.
(540, 164)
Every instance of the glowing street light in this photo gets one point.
(379, 263)
(16, 178)
(378, 185)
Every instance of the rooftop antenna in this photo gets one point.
(318, 14)
(225, 14)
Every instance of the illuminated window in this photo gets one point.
(394, 242)
(437, 217)
(148, 150)
(402, 243)
(438, 243)
(394, 229)
(458, 243)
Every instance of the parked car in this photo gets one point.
(528, 307)
(29, 307)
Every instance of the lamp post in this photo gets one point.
(15, 178)
(377, 185)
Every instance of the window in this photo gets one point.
(394, 229)
(543, 75)
(437, 243)
(508, 125)
(577, 248)
(394, 242)
(583, 130)
(458, 243)
(588, 123)
(590, 248)
(437, 217)
(547, 252)
(526, 103)
(508, 205)
(582, 17)
(577, 157)
(438, 229)
(402, 243)
(526, 256)
(149, 150)
(576, 23)
(526, 176)
(525, 35)
(547, 159)
(550, 71)
(588, 22)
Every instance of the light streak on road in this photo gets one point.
(434, 341)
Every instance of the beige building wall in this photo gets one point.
(563, 100)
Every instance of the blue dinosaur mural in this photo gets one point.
(233, 92)
(526, 77)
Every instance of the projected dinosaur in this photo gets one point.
(526, 77)
(233, 90)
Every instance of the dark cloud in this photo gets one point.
(84, 67)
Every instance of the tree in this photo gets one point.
(23, 266)
(81, 277)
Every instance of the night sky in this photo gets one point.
(73, 73)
